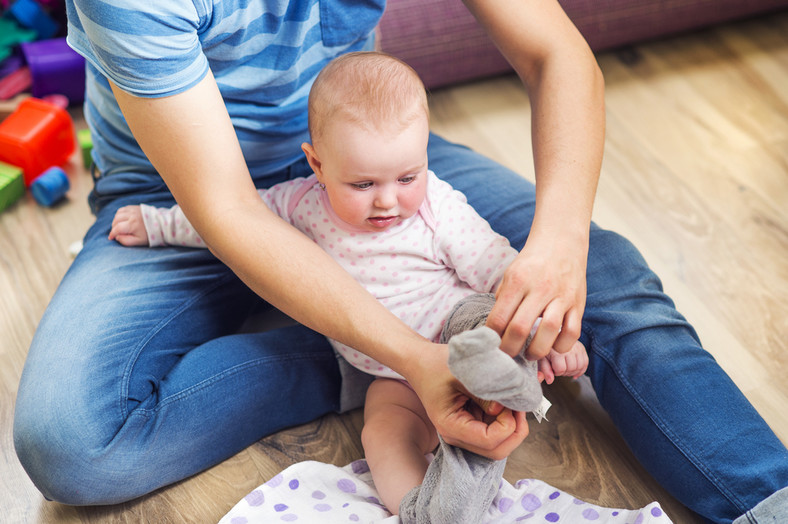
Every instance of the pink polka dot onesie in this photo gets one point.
(418, 268)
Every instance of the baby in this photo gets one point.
(418, 247)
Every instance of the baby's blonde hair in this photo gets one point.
(373, 89)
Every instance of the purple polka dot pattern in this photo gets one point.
(255, 498)
(274, 482)
(346, 485)
(316, 492)
(530, 502)
(505, 504)
(590, 514)
(359, 467)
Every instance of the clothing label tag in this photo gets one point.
(541, 412)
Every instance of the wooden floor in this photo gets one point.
(695, 174)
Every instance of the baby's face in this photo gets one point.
(375, 178)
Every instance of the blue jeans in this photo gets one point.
(137, 376)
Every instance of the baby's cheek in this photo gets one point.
(412, 200)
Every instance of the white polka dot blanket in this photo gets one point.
(314, 492)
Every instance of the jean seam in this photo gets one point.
(663, 427)
(124, 395)
(216, 378)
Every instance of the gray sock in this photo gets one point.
(490, 374)
(460, 485)
(458, 488)
(772, 509)
(476, 360)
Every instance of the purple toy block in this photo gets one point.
(56, 69)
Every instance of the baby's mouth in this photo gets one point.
(382, 222)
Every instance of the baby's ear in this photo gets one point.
(313, 159)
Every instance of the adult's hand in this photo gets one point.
(547, 280)
(459, 420)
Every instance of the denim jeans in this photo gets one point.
(137, 376)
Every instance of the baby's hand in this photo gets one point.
(128, 228)
(573, 363)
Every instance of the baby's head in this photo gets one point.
(369, 125)
(369, 89)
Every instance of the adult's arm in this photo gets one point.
(566, 91)
(190, 140)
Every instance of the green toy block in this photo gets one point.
(86, 145)
(12, 185)
(11, 34)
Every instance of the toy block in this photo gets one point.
(55, 68)
(86, 145)
(12, 185)
(30, 14)
(11, 35)
(36, 136)
(7, 107)
(11, 64)
(15, 83)
(50, 186)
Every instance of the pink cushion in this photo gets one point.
(443, 42)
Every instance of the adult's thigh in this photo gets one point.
(137, 376)
(504, 198)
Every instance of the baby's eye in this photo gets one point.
(362, 185)
(407, 179)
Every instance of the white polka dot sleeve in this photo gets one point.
(169, 227)
(466, 242)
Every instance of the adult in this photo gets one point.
(137, 375)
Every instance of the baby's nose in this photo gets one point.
(386, 198)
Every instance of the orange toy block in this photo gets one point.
(37, 136)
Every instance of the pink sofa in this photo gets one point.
(443, 42)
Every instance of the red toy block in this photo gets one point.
(36, 136)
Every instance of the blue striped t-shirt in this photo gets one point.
(264, 55)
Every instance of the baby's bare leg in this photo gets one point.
(396, 437)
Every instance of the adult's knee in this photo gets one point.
(62, 459)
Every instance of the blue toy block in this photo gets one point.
(50, 186)
(30, 14)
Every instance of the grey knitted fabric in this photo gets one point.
(476, 360)
(458, 489)
(459, 485)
